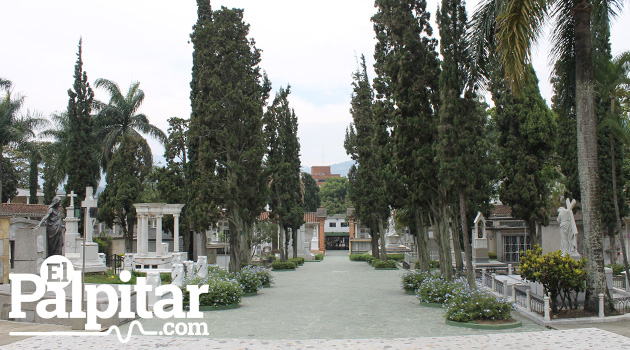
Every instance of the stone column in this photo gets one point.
(138, 233)
(176, 232)
(321, 234)
(158, 234)
(143, 240)
(351, 226)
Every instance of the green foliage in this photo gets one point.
(411, 280)
(81, 152)
(221, 291)
(333, 195)
(249, 280)
(124, 183)
(264, 275)
(477, 305)
(311, 193)
(297, 261)
(225, 138)
(9, 180)
(527, 139)
(104, 242)
(359, 257)
(617, 268)
(283, 265)
(385, 264)
(434, 264)
(492, 256)
(319, 256)
(561, 276)
(435, 289)
(283, 167)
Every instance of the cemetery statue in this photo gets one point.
(568, 230)
(54, 228)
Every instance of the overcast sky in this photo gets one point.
(310, 44)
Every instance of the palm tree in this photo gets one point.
(15, 129)
(614, 79)
(118, 117)
(511, 27)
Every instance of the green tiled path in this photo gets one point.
(333, 299)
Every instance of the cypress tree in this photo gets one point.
(527, 138)
(228, 93)
(460, 148)
(283, 168)
(311, 193)
(81, 153)
(407, 99)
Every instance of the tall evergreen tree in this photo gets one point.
(283, 168)
(367, 144)
(460, 148)
(407, 100)
(311, 193)
(527, 140)
(80, 154)
(228, 93)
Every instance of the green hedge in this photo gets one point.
(477, 305)
(492, 256)
(283, 265)
(319, 256)
(396, 256)
(296, 261)
(387, 264)
(433, 264)
(359, 257)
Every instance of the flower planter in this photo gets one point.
(410, 291)
(218, 307)
(491, 326)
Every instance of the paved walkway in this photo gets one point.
(338, 304)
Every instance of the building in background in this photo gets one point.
(322, 173)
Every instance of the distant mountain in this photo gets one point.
(339, 168)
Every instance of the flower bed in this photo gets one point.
(221, 291)
(248, 279)
(412, 280)
(434, 289)
(476, 306)
(264, 275)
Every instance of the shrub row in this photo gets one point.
(385, 264)
(283, 265)
(319, 256)
(433, 264)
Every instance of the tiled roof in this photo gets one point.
(13, 209)
(308, 217)
(502, 210)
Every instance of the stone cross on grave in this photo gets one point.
(88, 203)
(71, 195)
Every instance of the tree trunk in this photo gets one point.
(470, 272)
(374, 240)
(381, 234)
(423, 242)
(531, 229)
(236, 237)
(622, 241)
(294, 240)
(587, 159)
(128, 234)
(457, 243)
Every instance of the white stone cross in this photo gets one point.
(71, 195)
(87, 203)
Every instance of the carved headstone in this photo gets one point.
(128, 262)
(202, 266)
(177, 275)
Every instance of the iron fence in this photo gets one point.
(622, 305)
(114, 263)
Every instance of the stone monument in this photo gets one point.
(568, 230)
(480, 240)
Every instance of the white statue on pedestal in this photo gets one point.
(568, 230)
